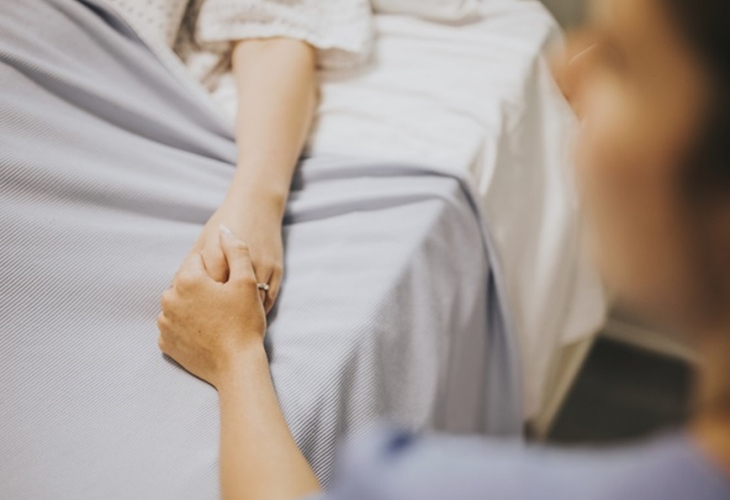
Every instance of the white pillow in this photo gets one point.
(437, 10)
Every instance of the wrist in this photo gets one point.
(249, 362)
(261, 201)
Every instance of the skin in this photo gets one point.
(641, 95)
(257, 449)
(276, 85)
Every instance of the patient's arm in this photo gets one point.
(275, 80)
(216, 331)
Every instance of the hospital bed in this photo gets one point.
(478, 99)
(410, 293)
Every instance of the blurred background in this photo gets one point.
(636, 378)
(568, 12)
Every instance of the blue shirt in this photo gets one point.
(396, 466)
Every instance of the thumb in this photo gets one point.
(236, 253)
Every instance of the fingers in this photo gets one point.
(237, 258)
(197, 247)
(215, 262)
(163, 341)
(192, 272)
(166, 301)
(263, 276)
(274, 287)
(268, 271)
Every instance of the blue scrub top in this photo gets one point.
(393, 465)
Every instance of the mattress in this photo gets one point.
(477, 99)
(392, 305)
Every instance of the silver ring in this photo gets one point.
(263, 286)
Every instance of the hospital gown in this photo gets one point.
(202, 32)
(393, 465)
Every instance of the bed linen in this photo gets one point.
(109, 166)
(473, 97)
(477, 99)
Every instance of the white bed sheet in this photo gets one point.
(108, 170)
(478, 98)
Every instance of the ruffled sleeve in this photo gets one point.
(340, 30)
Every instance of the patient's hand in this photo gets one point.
(260, 229)
(205, 324)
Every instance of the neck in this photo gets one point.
(711, 424)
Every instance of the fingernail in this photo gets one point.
(227, 232)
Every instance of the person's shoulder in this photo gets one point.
(668, 467)
(389, 463)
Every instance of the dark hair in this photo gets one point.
(706, 24)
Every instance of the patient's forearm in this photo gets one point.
(259, 458)
(276, 85)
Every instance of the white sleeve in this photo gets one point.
(340, 30)
(154, 20)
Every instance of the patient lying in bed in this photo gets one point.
(259, 58)
(110, 167)
(461, 86)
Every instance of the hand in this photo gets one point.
(206, 325)
(261, 232)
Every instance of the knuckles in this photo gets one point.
(242, 248)
(267, 263)
(161, 322)
(245, 281)
(186, 282)
(164, 344)
(166, 300)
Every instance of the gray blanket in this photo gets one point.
(110, 165)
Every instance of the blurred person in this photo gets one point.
(652, 89)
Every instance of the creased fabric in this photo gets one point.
(109, 167)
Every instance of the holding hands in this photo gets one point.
(261, 230)
(206, 325)
(213, 318)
